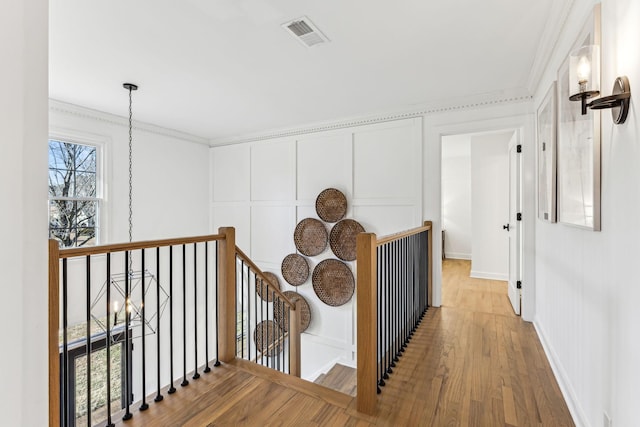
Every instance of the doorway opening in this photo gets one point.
(480, 231)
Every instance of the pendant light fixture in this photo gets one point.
(129, 313)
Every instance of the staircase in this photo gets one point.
(339, 378)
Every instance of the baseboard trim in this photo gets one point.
(323, 370)
(490, 276)
(577, 413)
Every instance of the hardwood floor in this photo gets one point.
(472, 362)
(477, 295)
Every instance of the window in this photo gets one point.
(73, 193)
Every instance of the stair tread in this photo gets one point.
(329, 395)
(340, 378)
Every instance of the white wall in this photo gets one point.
(265, 188)
(490, 205)
(587, 289)
(170, 173)
(456, 195)
(23, 175)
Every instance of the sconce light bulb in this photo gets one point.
(583, 70)
(115, 306)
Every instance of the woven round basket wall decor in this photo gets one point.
(333, 282)
(264, 292)
(310, 237)
(266, 337)
(342, 239)
(295, 269)
(331, 205)
(281, 312)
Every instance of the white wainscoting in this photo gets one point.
(378, 168)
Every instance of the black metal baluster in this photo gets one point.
(388, 313)
(248, 313)
(127, 337)
(418, 278)
(64, 369)
(184, 382)
(159, 396)
(402, 271)
(207, 369)
(216, 305)
(427, 272)
(241, 308)
(144, 406)
(279, 350)
(172, 389)
(265, 335)
(414, 281)
(286, 333)
(405, 283)
(263, 296)
(289, 329)
(255, 280)
(380, 318)
(421, 261)
(385, 335)
(88, 334)
(394, 300)
(390, 305)
(398, 303)
(196, 375)
(255, 309)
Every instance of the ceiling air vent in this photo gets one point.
(305, 32)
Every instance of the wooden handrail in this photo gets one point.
(402, 234)
(260, 274)
(121, 247)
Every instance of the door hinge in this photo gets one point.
(519, 216)
(519, 284)
(519, 148)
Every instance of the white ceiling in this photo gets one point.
(224, 68)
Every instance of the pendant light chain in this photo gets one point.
(130, 169)
(130, 87)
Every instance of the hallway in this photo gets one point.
(487, 366)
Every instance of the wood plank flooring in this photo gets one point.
(472, 362)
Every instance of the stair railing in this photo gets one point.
(133, 321)
(273, 318)
(393, 293)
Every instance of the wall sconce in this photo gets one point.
(584, 83)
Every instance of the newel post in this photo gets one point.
(54, 326)
(294, 342)
(227, 294)
(367, 323)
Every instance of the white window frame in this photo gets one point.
(99, 143)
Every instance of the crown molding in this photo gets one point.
(559, 14)
(61, 107)
(456, 104)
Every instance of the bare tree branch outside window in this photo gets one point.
(73, 202)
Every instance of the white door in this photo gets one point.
(514, 226)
